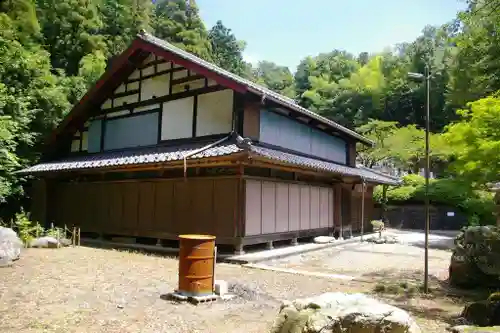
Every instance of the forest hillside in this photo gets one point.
(52, 51)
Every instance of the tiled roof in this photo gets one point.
(225, 147)
(253, 87)
(134, 157)
(308, 162)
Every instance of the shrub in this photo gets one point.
(378, 226)
(26, 229)
(476, 204)
(56, 232)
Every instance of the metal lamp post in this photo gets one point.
(426, 77)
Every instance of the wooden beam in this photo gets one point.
(153, 63)
(165, 98)
(163, 72)
(187, 79)
(188, 64)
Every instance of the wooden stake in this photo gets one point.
(73, 236)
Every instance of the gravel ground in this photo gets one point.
(368, 261)
(98, 290)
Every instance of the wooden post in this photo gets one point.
(363, 186)
(73, 236)
(384, 202)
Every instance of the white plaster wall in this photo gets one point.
(126, 100)
(214, 114)
(164, 66)
(133, 85)
(117, 113)
(106, 104)
(177, 119)
(120, 89)
(179, 74)
(75, 145)
(197, 84)
(149, 59)
(85, 141)
(147, 107)
(148, 71)
(156, 86)
(135, 75)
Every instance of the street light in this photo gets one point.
(426, 77)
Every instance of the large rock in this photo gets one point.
(476, 257)
(339, 313)
(387, 239)
(10, 246)
(49, 242)
(324, 239)
(474, 329)
(483, 313)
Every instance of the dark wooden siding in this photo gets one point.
(153, 208)
(39, 202)
(356, 209)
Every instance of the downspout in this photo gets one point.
(197, 151)
(363, 185)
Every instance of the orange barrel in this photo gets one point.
(196, 265)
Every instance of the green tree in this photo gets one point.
(274, 77)
(24, 19)
(349, 101)
(122, 21)
(227, 51)
(92, 66)
(179, 22)
(379, 132)
(474, 71)
(32, 102)
(71, 31)
(475, 141)
(400, 147)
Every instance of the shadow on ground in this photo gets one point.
(443, 302)
(438, 239)
(437, 244)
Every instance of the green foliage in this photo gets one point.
(274, 77)
(227, 51)
(406, 288)
(56, 232)
(70, 31)
(475, 141)
(477, 204)
(51, 51)
(402, 147)
(378, 226)
(474, 69)
(122, 21)
(178, 22)
(26, 229)
(92, 66)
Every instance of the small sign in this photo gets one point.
(450, 214)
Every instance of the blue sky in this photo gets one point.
(285, 31)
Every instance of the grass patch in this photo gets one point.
(398, 288)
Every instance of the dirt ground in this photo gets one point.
(99, 290)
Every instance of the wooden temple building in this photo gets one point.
(166, 143)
